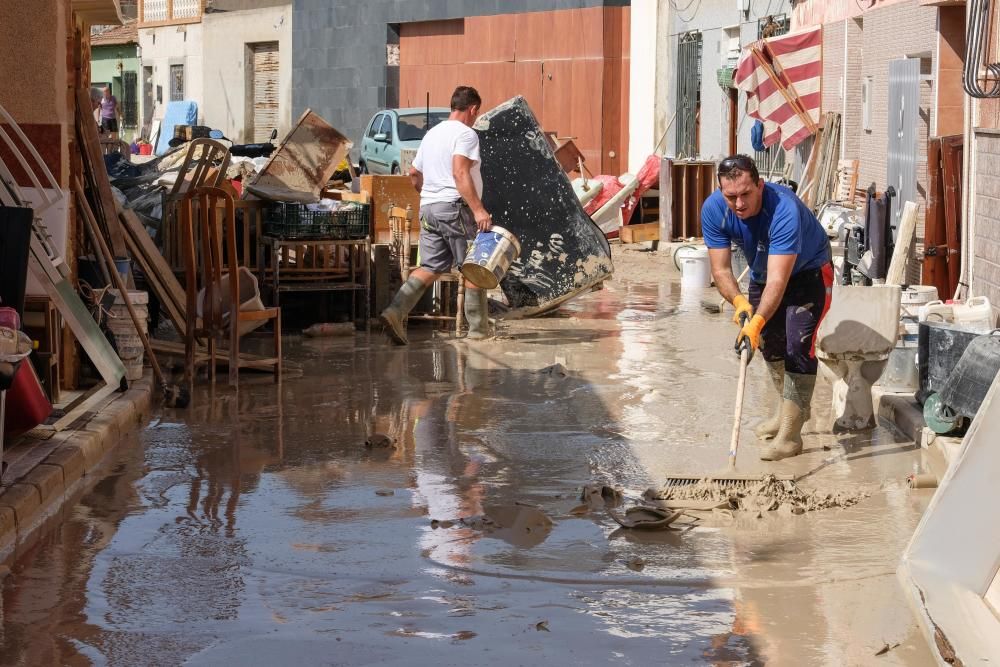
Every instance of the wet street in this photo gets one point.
(258, 529)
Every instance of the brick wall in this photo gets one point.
(986, 244)
(901, 30)
(850, 124)
(833, 67)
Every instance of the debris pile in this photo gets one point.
(767, 495)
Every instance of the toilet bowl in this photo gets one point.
(853, 343)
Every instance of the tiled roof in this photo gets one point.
(119, 34)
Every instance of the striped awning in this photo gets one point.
(782, 76)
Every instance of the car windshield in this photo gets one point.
(413, 126)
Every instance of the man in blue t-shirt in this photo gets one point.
(790, 283)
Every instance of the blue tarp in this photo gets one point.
(178, 113)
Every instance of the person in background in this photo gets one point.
(446, 173)
(109, 113)
(791, 279)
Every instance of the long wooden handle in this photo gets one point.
(734, 442)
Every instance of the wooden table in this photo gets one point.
(317, 265)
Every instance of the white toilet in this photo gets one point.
(853, 343)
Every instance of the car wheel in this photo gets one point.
(395, 170)
(362, 168)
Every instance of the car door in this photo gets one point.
(368, 143)
(383, 148)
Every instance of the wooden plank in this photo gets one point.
(896, 274)
(155, 267)
(641, 233)
(97, 174)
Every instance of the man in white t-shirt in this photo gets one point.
(446, 172)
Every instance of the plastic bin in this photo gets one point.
(287, 220)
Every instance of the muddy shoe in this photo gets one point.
(393, 324)
(768, 428)
(788, 441)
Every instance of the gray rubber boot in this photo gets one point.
(404, 301)
(477, 313)
(797, 395)
(768, 428)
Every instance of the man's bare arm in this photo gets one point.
(779, 271)
(417, 179)
(722, 273)
(461, 168)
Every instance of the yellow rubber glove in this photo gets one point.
(751, 334)
(741, 305)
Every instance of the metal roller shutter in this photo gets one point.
(264, 95)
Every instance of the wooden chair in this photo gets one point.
(209, 215)
(400, 226)
(205, 163)
(110, 146)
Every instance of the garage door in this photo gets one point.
(264, 96)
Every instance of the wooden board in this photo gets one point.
(97, 174)
(649, 231)
(386, 191)
(301, 166)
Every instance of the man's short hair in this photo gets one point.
(465, 97)
(735, 166)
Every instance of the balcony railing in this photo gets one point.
(165, 12)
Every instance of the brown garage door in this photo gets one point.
(570, 65)
(264, 95)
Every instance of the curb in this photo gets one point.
(79, 452)
(901, 410)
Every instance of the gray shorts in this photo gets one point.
(446, 231)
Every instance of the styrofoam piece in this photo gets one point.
(586, 195)
(949, 569)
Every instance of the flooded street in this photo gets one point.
(259, 529)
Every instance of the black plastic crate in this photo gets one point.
(286, 220)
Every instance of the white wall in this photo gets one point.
(642, 82)
(226, 37)
(171, 45)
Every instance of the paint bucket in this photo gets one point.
(915, 296)
(490, 256)
(696, 271)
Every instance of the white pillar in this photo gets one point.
(642, 82)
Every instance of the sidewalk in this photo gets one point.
(48, 469)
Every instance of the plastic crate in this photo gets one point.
(285, 220)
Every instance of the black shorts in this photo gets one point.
(790, 335)
(109, 125)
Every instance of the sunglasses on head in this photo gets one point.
(741, 162)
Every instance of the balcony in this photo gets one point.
(169, 12)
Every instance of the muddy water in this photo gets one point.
(258, 529)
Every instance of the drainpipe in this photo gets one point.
(969, 108)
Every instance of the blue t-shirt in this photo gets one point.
(784, 226)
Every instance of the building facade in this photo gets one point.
(114, 61)
(569, 58)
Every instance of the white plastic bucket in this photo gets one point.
(974, 315)
(914, 296)
(249, 300)
(696, 270)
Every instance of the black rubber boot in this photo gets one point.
(394, 316)
(477, 313)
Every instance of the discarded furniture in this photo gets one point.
(565, 252)
(212, 265)
(119, 146)
(386, 192)
(304, 250)
(649, 231)
(205, 164)
(949, 569)
(689, 184)
(443, 308)
(50, 269)
(42, 322)
(853, 342)
(303, 163)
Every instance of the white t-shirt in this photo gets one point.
(434, 159)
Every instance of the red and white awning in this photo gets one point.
(782, 79)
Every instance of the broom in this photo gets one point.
(729, 480)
